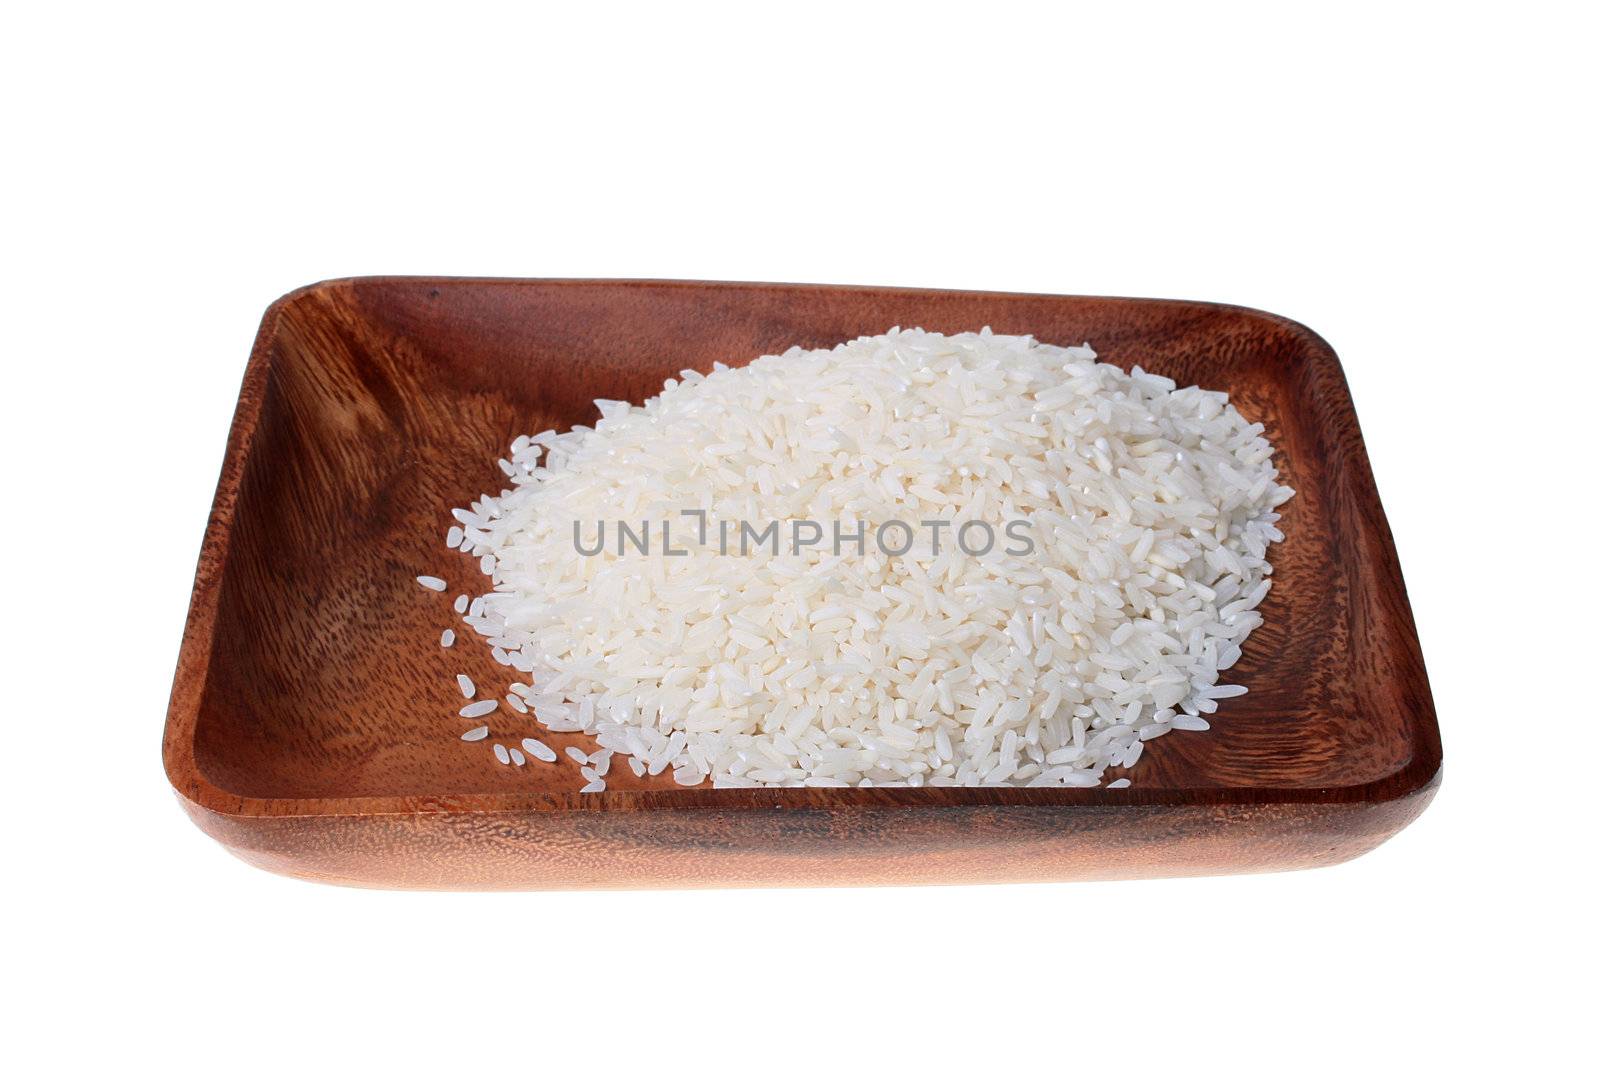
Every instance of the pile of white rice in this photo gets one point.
(1149, 508)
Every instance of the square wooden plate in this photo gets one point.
(312, 728)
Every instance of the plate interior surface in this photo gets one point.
(313, 679)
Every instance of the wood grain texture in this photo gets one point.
(311, 728)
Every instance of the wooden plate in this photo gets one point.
(312, 728)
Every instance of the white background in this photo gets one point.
(1415, 183)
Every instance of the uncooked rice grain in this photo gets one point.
(539, 750)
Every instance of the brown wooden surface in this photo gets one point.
(312, 726)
